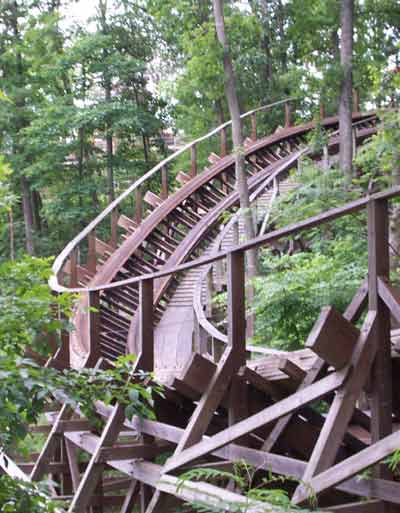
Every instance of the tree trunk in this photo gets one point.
(107, 91)
(346, 104)
(237, 135)
(394, 225)
(28, 215)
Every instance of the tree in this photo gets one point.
(346, 90)
(237, 134)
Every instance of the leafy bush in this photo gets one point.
(292, 288)
(21, 497)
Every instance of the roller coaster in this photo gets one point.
(146, 284)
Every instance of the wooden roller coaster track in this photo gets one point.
(150, 284)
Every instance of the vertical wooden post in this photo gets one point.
(193, 161)
(164, 182)
(356, 100)
(253, 118)
(146, 330)
(138, 205)
(74, 270)
(114, 228)
(94, 328)
(237, 334)
(91, 258)
(378, 266)
(236, 305)
(288, 115)
(223, 143)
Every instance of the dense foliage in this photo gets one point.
(328, 269)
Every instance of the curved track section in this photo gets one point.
(178, 228)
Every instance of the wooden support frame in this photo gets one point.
(378, 267)
(342, 408)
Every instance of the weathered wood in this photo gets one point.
(94, 328)
(146, 326)
(94, 470)
(356, 463)
(236, 306)
(50, 445)
(378, 266)
(270, 414)
(73, 463)
(333, 338)
(341, 410)
(130, 497)
(291, 369)
(198, 372)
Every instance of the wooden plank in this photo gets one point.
(94, 329)
(9, 467)
(270, 414)
(95, 469)
(391, 296)
(130, 497)
(198, 372)
(291, 369)
(341, 410)
(356, 463)
(50, 445)
(146, 326)
(236, 306)
(381, 379)
(72, 458)
(333, 338)
(384, 490)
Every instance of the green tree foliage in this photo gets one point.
(327, 271)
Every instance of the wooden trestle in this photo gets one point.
(216, 412)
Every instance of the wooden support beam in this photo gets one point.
(50, 445)
(146, 326)
(378, 266)
(356, 463)
(130, 497)
(95, 469)
(72, 458)
(333, 338)
(341, 410)
(291, 369)
(94, 328)
(391, 297)
(264, 417)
